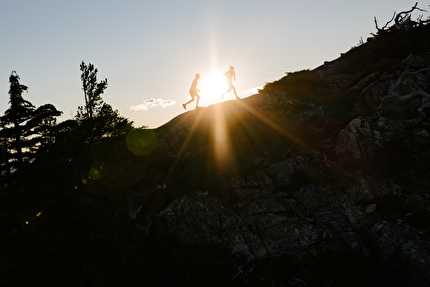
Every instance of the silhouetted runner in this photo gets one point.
(194, 92)
(228, 77)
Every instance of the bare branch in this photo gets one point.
(418, 93)
(399, 18)
(385, 26)
(402, 20)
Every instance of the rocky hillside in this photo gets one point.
(320, 179)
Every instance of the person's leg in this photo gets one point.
(190, 101)
(229, 89)
(234, 90)
(197, 101)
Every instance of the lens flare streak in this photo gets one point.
(221, 140)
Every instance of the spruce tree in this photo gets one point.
(92, 89)
(98, 119)
(15, 120)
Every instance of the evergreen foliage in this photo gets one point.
(98, 119)
(92, 90)
(16, 130)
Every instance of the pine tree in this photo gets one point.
(4, 154)
(98, 119)
(92, 89)
(24, 129)
(42, 127)
(15, 120)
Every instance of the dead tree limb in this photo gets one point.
(402, 20)
(385, 26)
(399, 20)
(422, 22)
(418, 93)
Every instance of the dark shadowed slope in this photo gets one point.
(320, 179)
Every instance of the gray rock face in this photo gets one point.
(306, 223)
(263, 223)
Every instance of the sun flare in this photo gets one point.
(211, 86)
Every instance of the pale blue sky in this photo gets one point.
(150, 50)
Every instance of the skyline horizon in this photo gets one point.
(149, 54)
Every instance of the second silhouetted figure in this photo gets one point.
(194, 92)
(229, 76)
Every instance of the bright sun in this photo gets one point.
(211, 87)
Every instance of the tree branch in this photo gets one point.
(425, 97)
(401, 20)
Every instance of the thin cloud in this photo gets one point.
(152, 103)
(141, 107)
(166, 103)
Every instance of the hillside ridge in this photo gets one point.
(337, 156)
(319, 179)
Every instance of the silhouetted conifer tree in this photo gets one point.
(98, 119)
(4, 156)
(15, 120)
(92, 89)
(24, 129)
(42, 125)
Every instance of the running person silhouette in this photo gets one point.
(194, 92)
(229, 76)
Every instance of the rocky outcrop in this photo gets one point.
(312, 222)
(361, 193)
(264, 223)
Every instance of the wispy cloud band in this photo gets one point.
(151, 103)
